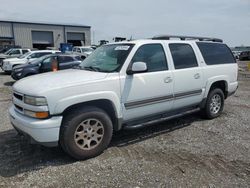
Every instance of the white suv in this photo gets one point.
(10, 63)
(124, 85)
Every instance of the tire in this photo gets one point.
(86, 132)
(214, 104)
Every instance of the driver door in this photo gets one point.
(151, 92)
(46, 65)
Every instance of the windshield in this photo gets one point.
(108, 58)
(8, 51)
(39, 60)
(25, 55)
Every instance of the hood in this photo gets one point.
(38, 84)
(26, 65)
(3, 55)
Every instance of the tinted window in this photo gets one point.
(25, 51)
(153, 55)
(215, 53)
(65, 59)
(47, 64)
(183, 56)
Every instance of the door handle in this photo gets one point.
(197, 76)
(168, 80)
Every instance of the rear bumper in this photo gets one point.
(44, 132)
(232, 88)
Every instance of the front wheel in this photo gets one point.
(214, 104)
(86, 132)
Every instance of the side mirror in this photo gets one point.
(137, 67)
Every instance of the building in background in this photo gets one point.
(43, 35)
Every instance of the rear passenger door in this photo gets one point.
(187, 75)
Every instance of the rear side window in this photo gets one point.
(216, 53)
(153, 55)
(183, 56)
(24, 51)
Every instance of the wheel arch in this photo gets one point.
(104, 104)
(220, 83)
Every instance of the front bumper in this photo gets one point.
(16, 75)
(6, 67)
(44, 132)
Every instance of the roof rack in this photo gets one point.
(168, 37)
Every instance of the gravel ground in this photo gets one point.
(186, 152)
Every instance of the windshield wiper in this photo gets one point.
(91, 68)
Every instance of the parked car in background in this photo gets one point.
(44, 64)
(236, 54)
(13, 52)
(244, 55)
(5, 48)
(9, 64)
(82, 51)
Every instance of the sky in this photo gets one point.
(225, 19)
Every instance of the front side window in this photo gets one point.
(107, 58)
(216, 53)
(183, 56)
(153, 55)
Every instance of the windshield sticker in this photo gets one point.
(122, 48)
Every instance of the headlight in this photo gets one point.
(36, 101)
(39, 115)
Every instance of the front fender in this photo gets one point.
(63, 104)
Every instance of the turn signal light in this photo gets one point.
(39, 115)
(42, 115)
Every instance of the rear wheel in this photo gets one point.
(214, 104)
(86, 132)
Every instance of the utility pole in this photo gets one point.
(93, 37)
